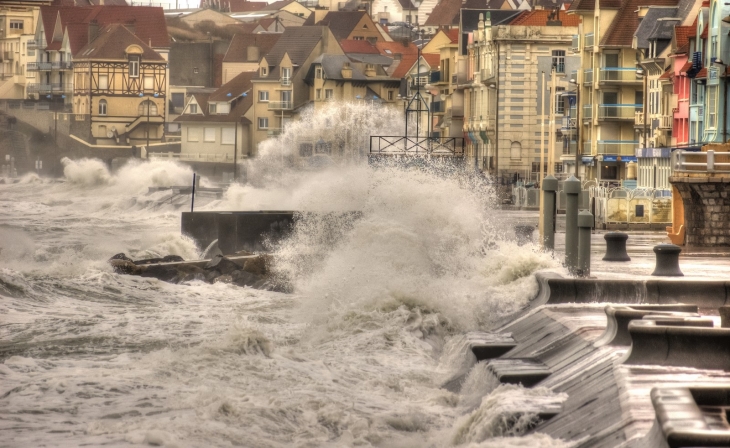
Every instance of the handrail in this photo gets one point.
(680, 161)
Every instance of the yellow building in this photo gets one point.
(17, 47)
(120, 82)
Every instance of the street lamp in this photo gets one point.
(724, 106)
(578, 125)
(493, 86)
(641, 73)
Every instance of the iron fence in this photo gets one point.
(417, 146)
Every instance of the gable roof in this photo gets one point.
(407, 4)
(433, 60)
(275, 6)
(238, 49)
(391, 49)
(111, 43)
(649, 23)
(342, 23)
(234, 5)
(681, 38)
(470, 17)
(358, 46)
(237, 92)
(540, 17)
(621, 31)
(404, 66)
(297, 42)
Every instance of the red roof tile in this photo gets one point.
(453, 35)
(358, 46)
(539, 17)
(405, 64)
(590, 5)
(111, 43)
(685, 67)
(392, 49)
(434, 60)
(666, 75)
(702, 73)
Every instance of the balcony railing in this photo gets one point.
(588, 76)
(274, 132)
(575, 44)
(618, 74)
(434, 77)
(285, 81)
(32, 44)
(569, 147)
(639, 117)
(588, 42)
(617, 147)
(618, 111)
(35, 66)
(666, 122)
(588, 111)
(486, 74)
(437, 107)
(49, 88)
(61, 65)
(279, 105)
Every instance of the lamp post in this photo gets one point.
(578, 124)
(724, 101)
(640, 72)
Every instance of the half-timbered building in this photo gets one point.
(121, 83)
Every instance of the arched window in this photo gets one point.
(142, 109)
(515, 150)
(102, 107)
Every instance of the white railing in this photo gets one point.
(704, 162)
(666, 122)
(279, 105)
(193, 157)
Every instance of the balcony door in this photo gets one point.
(286, 98)
(610, 105)
(610, 61)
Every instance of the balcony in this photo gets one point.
(666, 122)
(588, 42)
(639, 118)
(486, 75)
(32, 44)
(617, 147)
(285, 81)
(575, 44)
(274, 132)
(438, 107)
(569, 148)
(49, 88)
(61, 65)
(35, 66)
(618, 75)
(588, 76)
(434, 77)
(618, 111)
(587, 111)
(280, 105)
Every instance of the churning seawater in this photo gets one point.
(355, 356)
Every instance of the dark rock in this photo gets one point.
(172, 258)
(224, 279)
(210, 276)
(243, 278)
(120, 256)
(259, 265)
(121, 266)
(161, 272)
(222, 264)
(189, 273)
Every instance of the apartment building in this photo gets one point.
(17, 47)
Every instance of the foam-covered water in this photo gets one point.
(356, 356)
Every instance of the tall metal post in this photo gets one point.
(549, 189)
(578, 125)
(572, 191)
(585, 224)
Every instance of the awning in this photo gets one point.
(483, 135)
(610, 158)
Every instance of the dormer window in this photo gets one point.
(286, 73)
(134, 66)
(264, 71)
(211, 108)
(193, 109)
(318, 72)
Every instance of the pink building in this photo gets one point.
(682, 63)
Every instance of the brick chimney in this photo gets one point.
(346, 71)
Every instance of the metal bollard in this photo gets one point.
(616, 247)
(572, 191)
(667, 260)
(549, 187)
(524, 234)
(585, 224)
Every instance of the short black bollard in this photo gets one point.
(524, 234)
(616, 247)
(667, 260)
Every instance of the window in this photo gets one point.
(263, 123)
(390, 95)
(193, 134)
(318, 72)
(263, 95)
(358, 38)
(195, 70)
(224, 108)
(228, 136)
(134, 66)
(318, 94)
(103, 82)
(211, 108)
(149, 82)
(559, 101)
(559, 61)
(193, 109)
(147, 107)
(286, 73)
(16, 24)
(329, 94)
(209, 135)
(713, 47)
(711, 106)
(515, 150)
(264, 71)
(102, 107)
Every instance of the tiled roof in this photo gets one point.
(539, 17)
(433, 60)
(590, 5)
(682, 35)
(298, 42)
(235, 87)
(407, 4)
(393, 48)
(275, 6)
(667, 75)
(445, 12)
(621, 31)
(239, 5)
(358, 46)
(453, 35)
(470, 17)
(88, 2)
(685, 67)
(405, 64)
(702, 73)
(111, 43)
(238, 49)
(342, 23)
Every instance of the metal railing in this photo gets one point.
(35, 66)
(434, 77)
(280, 105)
(618, 147)
(569, 147)
(32, 44)
(285, 81)
(618, 74)
(587, 111)
(193, 157)
(666, 122)
(618, 111)
(588, 76)
(588, 42)
(274, 132)
(48, 88)
(61, 65)
(417, 146)
(438, 107)
(705, 162)
(575, 43)
(639, 117)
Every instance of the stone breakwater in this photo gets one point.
(617, 350)
(242, 269)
